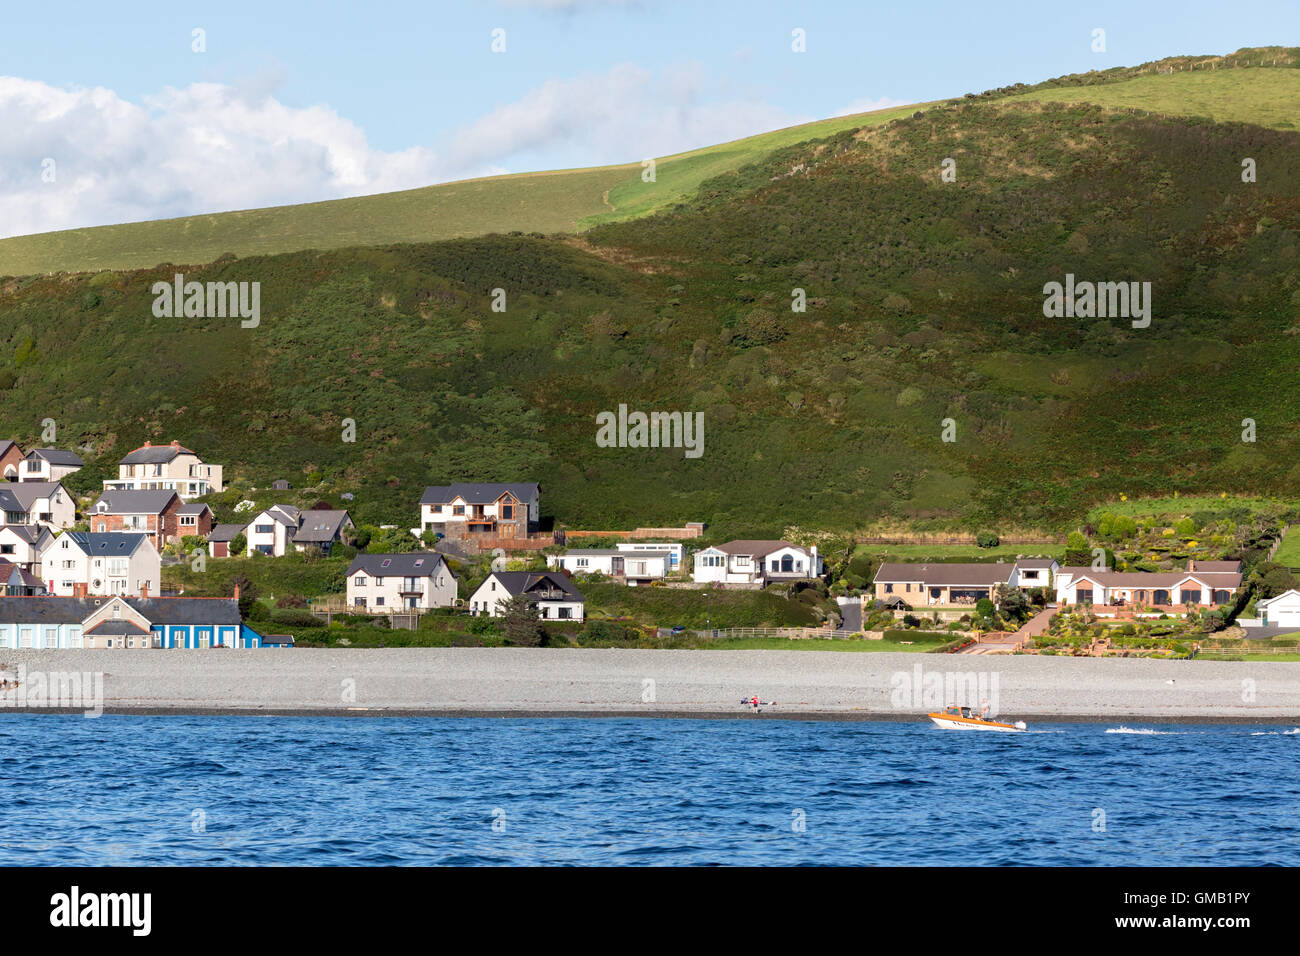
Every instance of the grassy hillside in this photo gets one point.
(1259, 85)
(544, 202)
(924, 304)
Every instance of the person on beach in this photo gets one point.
(754, 703)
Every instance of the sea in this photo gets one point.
(235, 790)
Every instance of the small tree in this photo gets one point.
(238, 545)
(520, 622)
(987, 539)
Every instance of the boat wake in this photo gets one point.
(1144, 731)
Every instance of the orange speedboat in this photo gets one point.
(964, 718)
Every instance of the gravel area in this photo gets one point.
(521, 681)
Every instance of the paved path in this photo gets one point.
(1035, 626)
(851, 612)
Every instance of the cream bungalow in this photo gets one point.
(756, 562)
(166, 468)
(939, 584)
(37, 503)
(49, 464)
(554, 594)
(636, 567)
(78, 563)
(400, 582)
(23, 545)
(499, 509)
(675, 549)
(1204, 584)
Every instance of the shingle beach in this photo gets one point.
(523, 682)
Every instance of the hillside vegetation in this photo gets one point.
(1258, 85)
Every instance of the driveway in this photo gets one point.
(851, 612)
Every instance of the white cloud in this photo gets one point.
(870, 106)
(213, 148)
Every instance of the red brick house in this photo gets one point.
(155, 513)
(11, 457)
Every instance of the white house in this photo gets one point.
(23, 545)
(1280, 611)
(1034, 573)
(556, 597)
(78, 563)
(636, 567)
(397, 582)
(37, 502)
(756, 563)
(676, 552)
(499, 509)
(49, 464)
(283, 527)
(165, 468)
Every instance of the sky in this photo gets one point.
(122, 112)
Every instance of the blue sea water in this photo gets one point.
(392, 791)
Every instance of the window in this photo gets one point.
(6, 549)
(507, 511)
(359, 602)
(379, 601)
(1191, 596)
(263, 528)
(565, 612)
(359, 580)
(458, 509)
(1083, 596)
(889, 589)
(189, 520)
(437, 509)
(581, 562)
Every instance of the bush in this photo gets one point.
(291, 601)
(987, 539)
(296, 617)
(984, 608)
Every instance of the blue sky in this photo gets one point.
(297, 101)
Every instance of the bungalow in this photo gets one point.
(123, 622)
(281, 527)
(400, 582)
(756, 563)
(155, 513)
(78, 563)
(18, 582)
(499, 509)
(49, 464)
(554, 594)
(11, 457)
(940, 585)
(36, 503)
(635, 567)
(674, 548)
(1280, 611)
(23, 545)
(1204, 584)
(165, 468)
(220, 537)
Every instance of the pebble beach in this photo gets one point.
(522, 682)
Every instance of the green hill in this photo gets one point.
(925, 303)
(1260, 85)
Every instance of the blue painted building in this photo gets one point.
(128, 623)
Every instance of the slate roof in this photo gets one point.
(517, 582)
(1228, 566)
(1040, 564)
(11, 574)
(319, 525)
(56, 456)
(26, 493)
(107, 543)
(280, 640)
(478, 492)
(30, 533)
(154, 454)
(615, 553)
(157, 610)
(946, 575)
(226, 532)
(193, 509)
(152, 502)
(416, 564)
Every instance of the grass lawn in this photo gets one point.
(1183, 505)
(956, 552)
(1288, 552)
(692, 608)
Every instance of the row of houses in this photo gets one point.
(150, 467)
(1204, 584)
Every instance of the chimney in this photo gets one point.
(236, 592)
(176, 444)
(148, 444)
(144, 589)
(79, 589)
